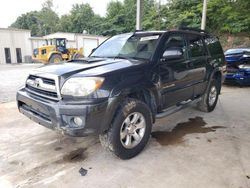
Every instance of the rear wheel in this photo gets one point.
(130, 130)
(55, 58)
(210, 98)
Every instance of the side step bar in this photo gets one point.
(176, 108)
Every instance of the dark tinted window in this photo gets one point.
(213, 46)
(195, 46)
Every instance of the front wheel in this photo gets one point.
(55, 58)
(77, 56)
(130, 130)
(210, 98)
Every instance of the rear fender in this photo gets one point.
(216, 70)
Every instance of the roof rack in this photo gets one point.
(192, 29)
(138, 30)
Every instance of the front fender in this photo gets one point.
(52, 53)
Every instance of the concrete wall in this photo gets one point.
(37, 42)
(12, 39)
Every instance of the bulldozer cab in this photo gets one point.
(60, 44)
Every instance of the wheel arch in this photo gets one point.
(217, 75)
(114, 104)
(143, 94)
(53, 53)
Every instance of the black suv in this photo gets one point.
(128, 82)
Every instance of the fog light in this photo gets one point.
(78, 121)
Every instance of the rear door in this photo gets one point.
(197, 56)
(175, 71)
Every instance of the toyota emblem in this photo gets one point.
(38, 82)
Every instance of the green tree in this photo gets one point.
(39, 22)
(28, 21)
(82, 17)
(65, 24)
(48, 18)
(223, 16)
(229, 16)
(114, 21)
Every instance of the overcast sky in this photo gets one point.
(11, 9)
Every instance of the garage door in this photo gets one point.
(88, 45)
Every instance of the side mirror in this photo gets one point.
(172, 54)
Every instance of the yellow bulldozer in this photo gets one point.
(56, 51)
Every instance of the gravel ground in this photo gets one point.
(13, 77)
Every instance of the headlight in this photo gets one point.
(81, 87)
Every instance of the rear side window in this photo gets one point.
(196, 46)
(213, 46)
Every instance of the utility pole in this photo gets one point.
(159, 15)
(204, 15)
(139, 14)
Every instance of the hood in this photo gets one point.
(243, 56)
(245, 67)
(233, 58)
(87, 66)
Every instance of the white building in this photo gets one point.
(16, 45)
(78, 40)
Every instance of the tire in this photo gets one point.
(55, 58)
(117, 139)
(77, 56)
(210, 98)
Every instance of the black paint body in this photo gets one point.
(162, 83)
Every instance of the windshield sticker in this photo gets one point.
(149, 38)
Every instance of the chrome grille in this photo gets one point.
(46, 87)
(45, 80)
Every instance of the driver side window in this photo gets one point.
(174, 48)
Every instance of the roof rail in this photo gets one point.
(137, 30)
(192, 29)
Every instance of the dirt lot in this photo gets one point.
(188, 149)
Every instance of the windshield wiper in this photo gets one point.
(123, 57)
(96, 56)
(117, 57)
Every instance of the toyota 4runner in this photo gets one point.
(127, 82)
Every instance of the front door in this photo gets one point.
(7, 55)
(174, 71)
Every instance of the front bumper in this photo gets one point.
(58, 115)
(237, 79)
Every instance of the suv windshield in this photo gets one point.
(128, 46)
